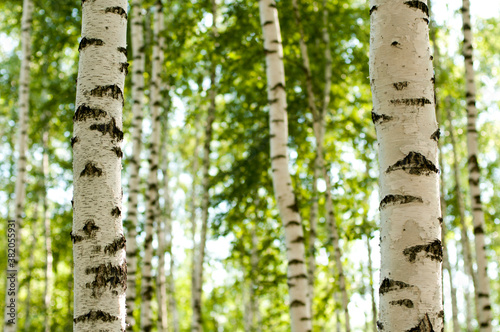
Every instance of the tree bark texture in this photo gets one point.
(10, 323)
(100, 270)
(401, 77)
(152, 206)
(137, 32)
(483, 281)
(297, 273)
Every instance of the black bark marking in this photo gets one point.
(433, 250)
(473, 164)
(482, 295)
(124, 67)
(299, 239)
(278, 85)
(478, 230)
(95, 315)
(118, 151)
(400, 85)
(436, 135)
(267, 22)
(88, 42)
(395, 44)
(75, 238)
(116, 212)
(90, 229)
(115, 246)
(294, 207)
(374, 8)
(107, 275)
(292, 223)
(91, 170)
(418, 5)
(380, 325)
(117, 10)
(85, 112)
(298, 276)
(74, 140)
(424, 325)
(112, 91)
(380, 118)
(122, 50)
(414, 163)
(477, 199)
(411, 101)
(109, 128)
(279, 156)
(266, 51)
(406, 302)
(399, 199)
(295, 261)
(389, 285)
(297, 303)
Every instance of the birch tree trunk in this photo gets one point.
(10, 314)
(47, 293)
(300, 311)
(372, 289)
(402, 78)
(483, 281)
(100, 269)
(31, 266)
(319, 132)
(137, 32)
(152, 207)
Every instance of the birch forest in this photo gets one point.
(250, 165)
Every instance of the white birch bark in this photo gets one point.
(137, 32)
(152, 206)
(401, 77)
(31, 265)
(47, 292)
(10, 318)
(300, 312)
(100, 269)
(483, 281)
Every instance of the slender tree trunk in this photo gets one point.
(152, 208)
(401, 77)
(372, 289)
(464, 237)
(300, 311)
(100, 269)
(252, 306)
(47, 293)
(483, 281)
(137, 32)
(10, 314)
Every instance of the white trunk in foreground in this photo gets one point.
(300, 312)
(137, 32)
(152, 204)
(11, 298)
(100, 269)
(483, 281)
(401, 77)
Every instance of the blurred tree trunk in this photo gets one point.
(300, 311)
(483, 281)
(372, 289)
(137, 32)
(152, 207)
(47, 292)
(401, 77)
(100, 268)
(31, 266)
(22, 145)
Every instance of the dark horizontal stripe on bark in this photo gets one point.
(95, 315)
(267, 22)
(295, 261)
(389, 285)
(298, 276)
(478, 230)
(118, 151)
(411, 101)
(414, 163)
(380, 118)
(418, 5)
(116, 212)
(294, 207)
(433, 250)
(278, 85)
(111, 90)
(122, 50)
(425, 325)
(405, 302)
(299, 239)
(109, 128)
(117, 10)
(74, 140)
(84, 112)
(399, 199)
(266, 51)
(107, 276)
(436, 135)
(292, 223)
(85, 42)
(297, 303)
(374, 8)
(400, 85)
(91, 170)
(115, 246)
